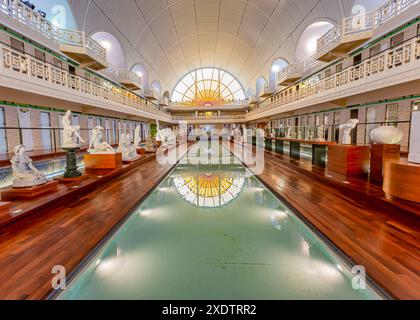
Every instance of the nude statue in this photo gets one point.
(97, 146)
(24, 172)
(71, 136)
(348, 128)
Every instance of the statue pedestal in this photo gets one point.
(141, 151)
(380, 154)
(401, 180)
(29, 193)
(4, 209)
(348, 160)
(71, 167)
(103, 161)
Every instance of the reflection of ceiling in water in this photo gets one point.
(209, 191)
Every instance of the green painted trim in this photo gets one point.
(36, 45)
(66, 60)
(30, 106)
(351, 55)
(366, 105)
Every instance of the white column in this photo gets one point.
(414, 155)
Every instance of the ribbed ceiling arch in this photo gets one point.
(173, 37)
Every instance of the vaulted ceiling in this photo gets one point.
(173, 37)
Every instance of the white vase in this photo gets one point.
(386, 135)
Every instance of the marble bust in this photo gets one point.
(348, 127)
(71, 135)
(97, 146)
(24, 172)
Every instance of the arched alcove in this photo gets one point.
(276, 67)
(363, 6)
(260, 85)
(58, 12)
(157, 86)
(250, 92)
(307, 44)
(114, 52)
(142, 72)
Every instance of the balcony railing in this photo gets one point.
(406, 53)
(129, 79)
(26, 16)
(40, 71)
(210, 118)
(239, 104)
(361, 24)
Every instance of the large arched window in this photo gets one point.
(207, 87)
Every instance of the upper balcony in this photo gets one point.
(129, 79)
(290, 74)
(253, 100)
(392, 67)
(211, 119)
(20, 71)
(232, 105)
(268, 91)
(347, 36)
(82, 48)
(151, 94)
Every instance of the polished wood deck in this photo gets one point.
(383, 238)
(373, 233)
(29, 248)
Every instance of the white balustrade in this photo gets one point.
(406, 53)
(38, 70)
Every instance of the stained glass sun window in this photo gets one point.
(208, 87)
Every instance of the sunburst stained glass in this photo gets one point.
(209, 191)
(208, 87)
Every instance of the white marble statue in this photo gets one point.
(273, 133)
(24, 172)
(348, 127)
(71, 135)
(288, 134)
(386, 135)
(150, 144)
(128, 150)
(97, 146)
(166, 137)
(137, 137)
(320, 133)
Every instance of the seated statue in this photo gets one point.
(71, 135)
(137, 137)
(97, 146)
(320, 134)
(348, 127)
(150, 144)
(128, 150)
(24, 172)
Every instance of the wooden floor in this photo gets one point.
(64, 236)
(383, 238)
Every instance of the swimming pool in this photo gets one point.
(213, 231)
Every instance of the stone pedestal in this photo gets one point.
(29, 193)
(401, 180)
(103, 161)
(348, 160)
(71, 166)
(379, 155)
(4, 210)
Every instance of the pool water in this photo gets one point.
(213, 231)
